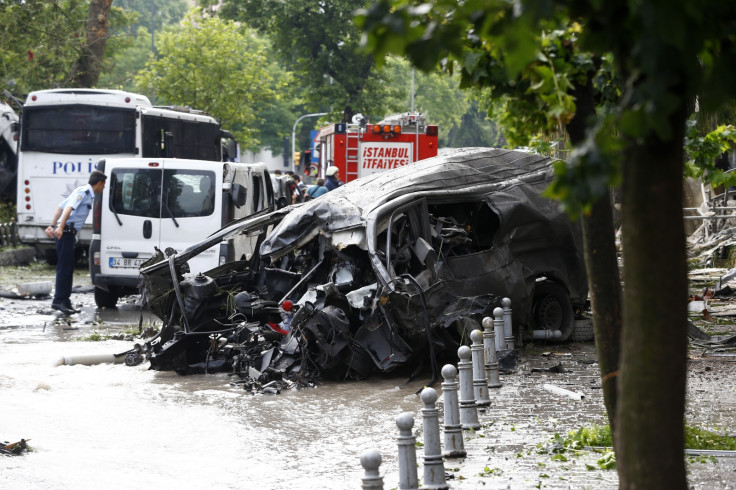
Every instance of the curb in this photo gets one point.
(18, 256)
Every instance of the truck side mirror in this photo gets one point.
(238, 193)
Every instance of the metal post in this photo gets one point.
(508, 327)
(293, 136)
(490, 351)
(407, 452)
(468, 408)
(412, 90)
(480, 384)
(454, 446)
(434, 466)
(371, 460)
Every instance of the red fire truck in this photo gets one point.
(359, 149)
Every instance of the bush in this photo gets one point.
(7, 212)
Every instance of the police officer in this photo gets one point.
(68, 219)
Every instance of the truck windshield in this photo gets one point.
(138, 192)
(78, 129)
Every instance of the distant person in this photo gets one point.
(70, 216)
(333, 178)
(293, 188)
(275, 181)
(314, 191)
(301, 185)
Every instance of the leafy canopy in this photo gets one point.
(643, 61)
(216, 66)
(529, 77)
(320, 43)
(42, 40)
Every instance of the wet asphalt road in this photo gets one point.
(314, 437)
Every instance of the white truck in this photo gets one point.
(168, 203)
(64, 132)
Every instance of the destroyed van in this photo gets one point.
(389, 271)
(169, 204)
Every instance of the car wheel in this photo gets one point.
(105, 299)
(552, 310)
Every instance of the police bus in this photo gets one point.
(65, 132)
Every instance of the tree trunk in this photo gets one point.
(605, 297)
(601, 266)
(652, 376)
(87, 68)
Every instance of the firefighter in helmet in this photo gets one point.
(333, 178)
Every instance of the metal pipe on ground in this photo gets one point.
(546, 334)
(562, 391)
(91, 359)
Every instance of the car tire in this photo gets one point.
(105, 299)
(552, 310)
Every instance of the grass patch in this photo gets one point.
(94, 337)
(599, 436)
(127, 333)
(592, 435)
(696, 438)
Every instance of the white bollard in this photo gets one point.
(434, 466)
(468, 408)
(508, 327)
(490, 351)
(500, 342)
(480, 384)
(454, 446)
(407, 452)
(371, 460)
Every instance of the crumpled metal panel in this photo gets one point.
(458, 172)
(371, 296)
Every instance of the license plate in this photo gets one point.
(122, 263)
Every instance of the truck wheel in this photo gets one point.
(105, 299)
(552, 310)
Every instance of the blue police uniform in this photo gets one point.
(332, 183)
(80, 200)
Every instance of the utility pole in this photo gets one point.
(293, 136)
(153, 45)
(412, 90)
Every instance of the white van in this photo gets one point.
(169, 203)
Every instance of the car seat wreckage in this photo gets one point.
(327, 294)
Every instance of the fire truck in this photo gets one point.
(359, 148)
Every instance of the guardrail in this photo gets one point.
(9, 234)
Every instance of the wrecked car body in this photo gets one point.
(388, 272)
